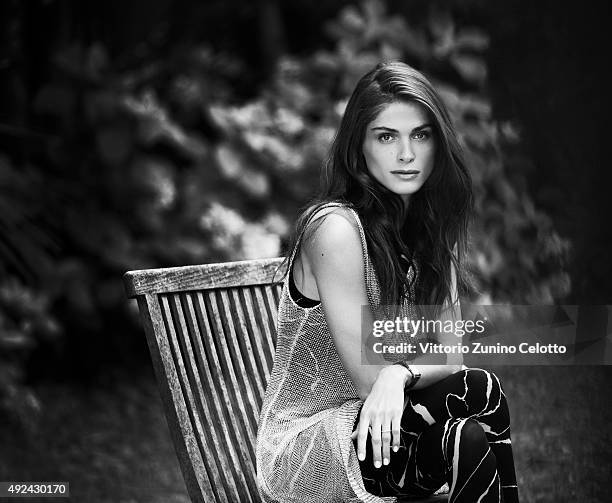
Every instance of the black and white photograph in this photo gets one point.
(302, 252)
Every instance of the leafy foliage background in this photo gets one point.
(160, 161)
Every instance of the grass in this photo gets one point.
(111, 442)
(561, 418)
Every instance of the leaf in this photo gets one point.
(235, 169)
(471, 68)
(471, 39)
(14, 340)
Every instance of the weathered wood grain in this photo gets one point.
(203, 277)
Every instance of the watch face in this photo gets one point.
(414, 377)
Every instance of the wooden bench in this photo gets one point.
(211, 331)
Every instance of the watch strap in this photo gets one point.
(414, 376)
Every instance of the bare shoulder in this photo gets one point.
(333, 236)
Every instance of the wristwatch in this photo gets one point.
(414, 374)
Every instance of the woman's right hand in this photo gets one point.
(381, 414)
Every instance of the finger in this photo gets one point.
(386, 441)
(396, 430)
(376, 442)
(362, 436)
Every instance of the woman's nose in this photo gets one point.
(406, 154)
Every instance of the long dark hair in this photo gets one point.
(437, 218)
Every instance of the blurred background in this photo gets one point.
(138, 134)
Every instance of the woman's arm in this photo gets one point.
(334, 256)
(333, 253)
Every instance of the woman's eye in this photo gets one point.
(385, 137)
(421, 135)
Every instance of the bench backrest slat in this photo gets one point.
(202, 277)
(211, 331)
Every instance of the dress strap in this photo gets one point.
(364, 243)
(298, 242)
(370, 277)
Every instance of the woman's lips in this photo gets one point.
(406, 174)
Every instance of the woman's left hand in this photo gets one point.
(381, 414)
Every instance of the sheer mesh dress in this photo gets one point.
(304, 451)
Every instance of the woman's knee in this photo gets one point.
(483, 391)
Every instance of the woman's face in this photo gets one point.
(399, 147)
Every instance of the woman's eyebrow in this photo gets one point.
(385, 128)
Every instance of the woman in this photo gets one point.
(388, 229)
